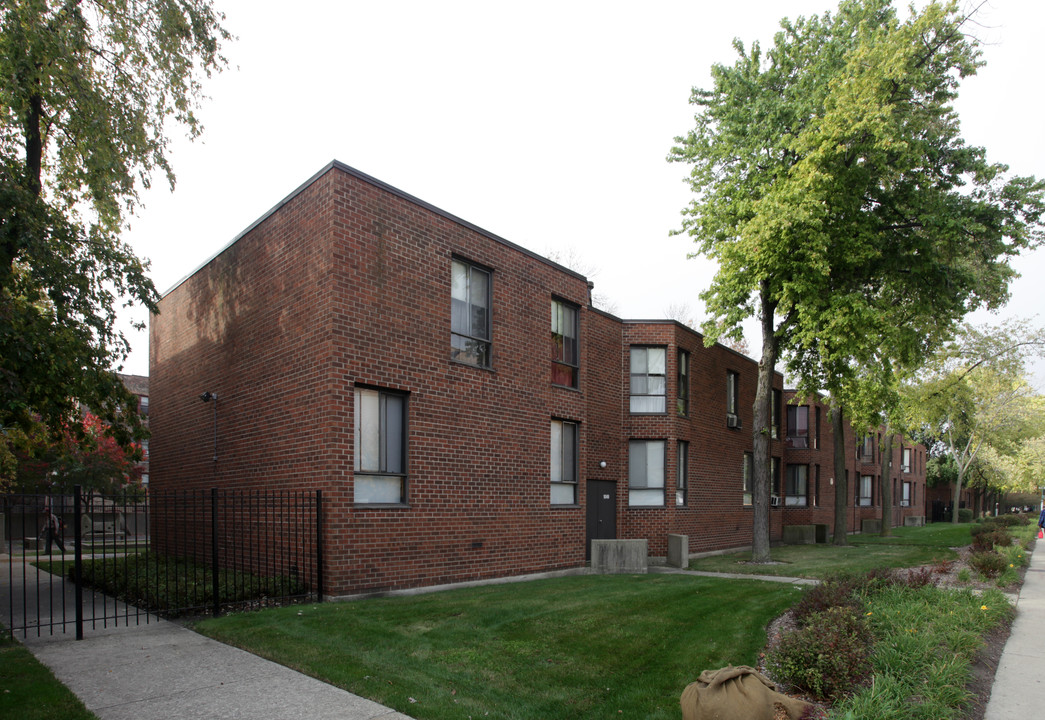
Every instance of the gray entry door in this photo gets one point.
(602, 512)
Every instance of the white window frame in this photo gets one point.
(865, 450)
(866, 490)
(796, 489)
(648, 371)
(682, 391)
(380, 464)
(796, 438)
(732, 393)
(470, 344)
(564, 446)
(682, 473)
(646, 465)
(565, 331)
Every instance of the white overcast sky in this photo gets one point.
(546, 123)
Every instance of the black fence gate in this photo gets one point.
(86, 561)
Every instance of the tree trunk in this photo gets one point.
(841, 478)
(761, 435)
(887, 483)
(34, 146)
(956, 494)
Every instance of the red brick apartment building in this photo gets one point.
(465, 410)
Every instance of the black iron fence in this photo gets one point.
(86, 560)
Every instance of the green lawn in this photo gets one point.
(906, 547)
(589, 646)
(945, 535)
(29, 691)
(577, 647)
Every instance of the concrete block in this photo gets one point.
(914, 521)
(620, 556)
(678, 551)
(871, 526)
(799, 534)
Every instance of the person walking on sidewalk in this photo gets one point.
(52, 529)
(1041, 522)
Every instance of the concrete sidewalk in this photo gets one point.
(162, 670)
(159, 670)
(1019, 683)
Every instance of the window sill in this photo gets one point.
(566, 387)
(461, 363)
(380, 506)
(565, 506)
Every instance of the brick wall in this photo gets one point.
(346, 283)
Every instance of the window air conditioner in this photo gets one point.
(775, 501)
(733, 421)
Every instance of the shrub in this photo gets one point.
(836, 592)
(827, 658)
(964, 515)
(173, 586)
(994, 536)
(878, 578)
(1008, 520)
(988, 562)
(916, 578)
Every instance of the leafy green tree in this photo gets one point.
(1027, 466)
(845, 211)
(974, 397)
(940, 470)
(89, 91)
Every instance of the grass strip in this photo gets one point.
(926, 640)
(578, 647)
(30, 691)
(818, 561)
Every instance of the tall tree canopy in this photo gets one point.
(89, 91)
(844, 209)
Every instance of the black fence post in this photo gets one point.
(319, 545)
(78, 559)
(214, 549)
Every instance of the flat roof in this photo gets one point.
(369, 179)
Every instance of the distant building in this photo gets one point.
(139, 386)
